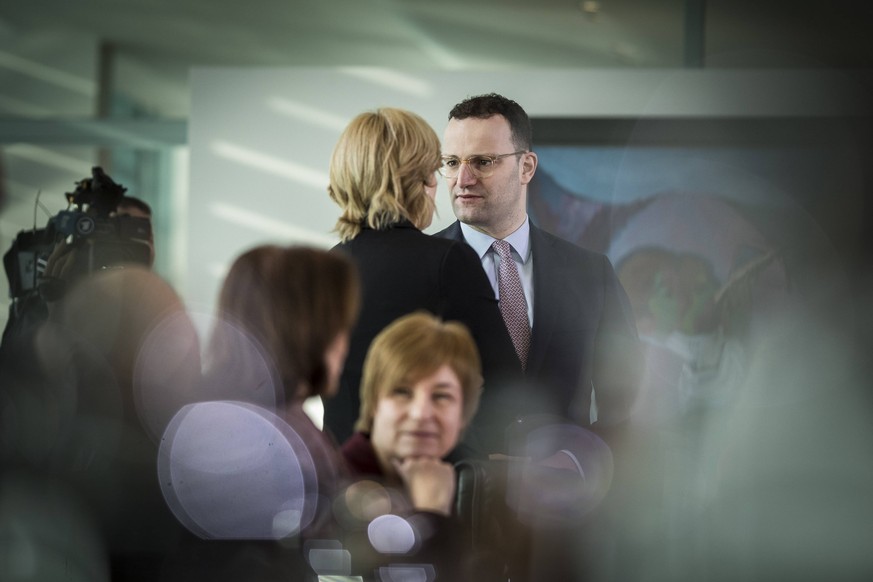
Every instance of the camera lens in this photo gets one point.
(85, 226)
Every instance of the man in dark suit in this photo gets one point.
(583, 337)
(571, 326)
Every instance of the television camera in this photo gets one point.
(88, 236)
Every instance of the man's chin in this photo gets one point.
(464, 214)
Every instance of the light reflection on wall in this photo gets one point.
(270, 163)
(307, 114)
(271, 227)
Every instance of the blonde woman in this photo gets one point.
(383, 177)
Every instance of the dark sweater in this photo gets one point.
(361, 457)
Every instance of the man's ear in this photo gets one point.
(528, 167)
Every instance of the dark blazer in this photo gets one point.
(403, 270)
(584, 336)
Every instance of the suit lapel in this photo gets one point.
(546, 297)
(545, 266)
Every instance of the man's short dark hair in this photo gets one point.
(485, 106)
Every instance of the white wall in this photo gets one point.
(261, 139)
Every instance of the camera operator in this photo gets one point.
(102, 229)
(97, 355)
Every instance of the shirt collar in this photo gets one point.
(481, 242)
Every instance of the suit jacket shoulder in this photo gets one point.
(542, 240)
(453, 232)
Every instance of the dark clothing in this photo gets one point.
(442, 541)
(583, 337)
(404, 270)
(360, 456)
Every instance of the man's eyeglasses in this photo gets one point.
(481, 166)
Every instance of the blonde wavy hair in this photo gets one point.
(379, 169)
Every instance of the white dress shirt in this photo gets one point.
(521, 253)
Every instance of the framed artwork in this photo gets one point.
(709, 223)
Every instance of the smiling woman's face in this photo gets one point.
(422, 419)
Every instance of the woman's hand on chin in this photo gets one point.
(430, 483)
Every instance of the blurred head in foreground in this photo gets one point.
(299, 304)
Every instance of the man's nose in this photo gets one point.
(466, 176)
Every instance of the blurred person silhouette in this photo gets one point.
(246, 469)
(298, 305)
(383, 177)
(86, 414)
(101, 358)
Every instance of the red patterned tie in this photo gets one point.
(512, 302)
